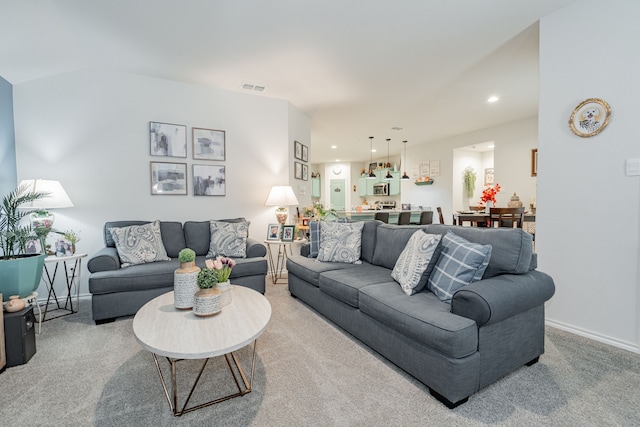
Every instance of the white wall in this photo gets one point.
(511, 162)
(588, 210)
(90, 130)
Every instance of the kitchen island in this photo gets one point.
(367, 215)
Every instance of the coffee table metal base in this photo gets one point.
(243, 385)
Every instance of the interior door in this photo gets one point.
(337, 194)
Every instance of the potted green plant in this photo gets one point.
(185, 280)
(20, 271)
(207, 300)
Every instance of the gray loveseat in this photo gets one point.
(491, 328)
(121, 291)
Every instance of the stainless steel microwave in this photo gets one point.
(381, 189)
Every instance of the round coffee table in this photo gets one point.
(179, 334)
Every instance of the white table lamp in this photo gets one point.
(281, 196)
(57, 198)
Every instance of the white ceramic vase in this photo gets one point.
(185, 285)
(207, 302)
(225, 293)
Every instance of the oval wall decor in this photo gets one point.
(590, 117)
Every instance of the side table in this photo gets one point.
(72, 266)
(275, 269)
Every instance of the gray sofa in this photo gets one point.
(491, 328)
(117, 291)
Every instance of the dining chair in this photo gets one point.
(404, 218)
(506, 217)
(441, 217)
(426, 217)
(382, 216)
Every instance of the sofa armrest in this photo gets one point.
(255, 249)
(497, 298)
(104, 260)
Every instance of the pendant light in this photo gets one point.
(405, 176)
(371, 174)
(389, 177)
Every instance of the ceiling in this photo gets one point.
(358, 68)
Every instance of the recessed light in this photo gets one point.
(491, 145)
(337, 160)
(334, 147)
(397, 128)
(493, 99)
(373, 150)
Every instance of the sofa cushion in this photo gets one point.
(197, 234)
(416, 261)
(512, 248)
(460, 263)
(139, 244)
(369, 238)
(309, 269)
(390, 242)
(345, 284)
(340, 242)
(422, 317)
(172, 237)
(228, 239)
(314, 238)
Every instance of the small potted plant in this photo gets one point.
(207, 300)
(185, 280)
(223, 267)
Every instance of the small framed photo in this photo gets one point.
(305, 172)
(208, 144)
(34, 247)
(167, 139)
(273, 232)
(297, 150)
(288, 233)
(488, 176)
(297, 170)
(209, 180)
(372, 166)
(168, 178)
(63, 248)
(590, 117)
(305, 153)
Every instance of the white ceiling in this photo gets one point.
(356, 67)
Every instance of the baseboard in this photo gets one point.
(594, 336)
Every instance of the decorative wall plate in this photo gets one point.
(590, 117)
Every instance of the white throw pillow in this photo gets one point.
(340, 242)
(139, 244)
(228, 239)
(415, 263)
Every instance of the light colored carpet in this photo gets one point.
(308, 373)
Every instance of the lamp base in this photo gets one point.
(281, 215)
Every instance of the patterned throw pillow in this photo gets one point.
(460, 263)
(139, 244)
(415, 263)
(314, 238)
(228, 239)
(340, 242)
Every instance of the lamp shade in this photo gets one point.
(281, 195)
(57, 197)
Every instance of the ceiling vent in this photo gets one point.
(249, 86)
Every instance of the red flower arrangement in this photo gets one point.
(489, 194)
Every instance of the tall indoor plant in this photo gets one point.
(20, 272)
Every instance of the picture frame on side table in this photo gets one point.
(288, 233)
(209, 180)
(297, 150)
(297, 167)
(273, 232)
(305, 153)
(590, 117)
(168, 178)
(208, 144)
(167, 139)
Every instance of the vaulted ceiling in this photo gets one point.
(358, 68)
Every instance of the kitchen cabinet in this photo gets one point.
(316, 188)
(394, 184)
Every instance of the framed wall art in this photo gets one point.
(305, 172)
(590, 117)
(168, 140)
(297, 150)
(168, 178)
(209, 180)
(208, 144)
(534, 162)
(305, 153)
(488, 176)
(288, 233)
(297, 167)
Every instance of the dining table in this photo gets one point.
(481, 218)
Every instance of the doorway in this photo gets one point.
(337, 194)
